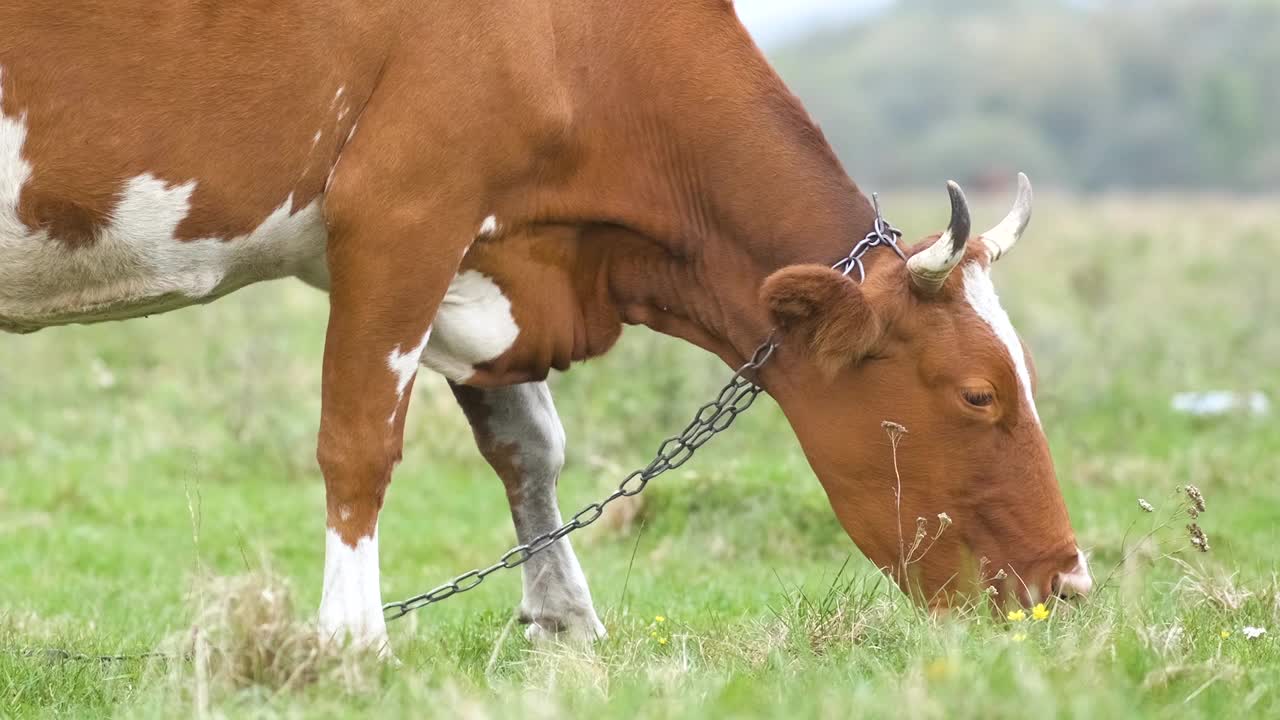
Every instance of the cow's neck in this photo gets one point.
(700, 148)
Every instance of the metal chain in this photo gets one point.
(882, 233)
(711, 419)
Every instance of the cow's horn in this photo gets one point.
(1001, 238)
(930, 268)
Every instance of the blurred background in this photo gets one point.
(1086, 95)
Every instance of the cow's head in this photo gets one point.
(925, 346)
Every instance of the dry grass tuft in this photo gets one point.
(247, 635)
(580, 667)
(1215, 670)
(1219, 590)
(1165, 640)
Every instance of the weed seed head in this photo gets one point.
(894, 430)
(1199, 540)
(1196, 500)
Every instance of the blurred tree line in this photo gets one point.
(1181, 94)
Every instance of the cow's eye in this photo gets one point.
(979, 398)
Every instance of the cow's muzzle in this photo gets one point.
(1075, 583)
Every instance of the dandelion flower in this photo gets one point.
(1019, 637)
(1253, 633)
(1146, 506)
(1225, 634)
(1017, 615)
(662, 641)
(1040, 612)
(654, 634)
(659, 619)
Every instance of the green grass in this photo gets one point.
(139, 459)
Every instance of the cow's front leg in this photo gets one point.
(388, 272)
(371, 356)
(519, 433)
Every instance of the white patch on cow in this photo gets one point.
(489, 227)
(14, 170)
(404, 365)
(981, 294)
(135, 265)
(1079, 581)
(351, 600)
(473, 325)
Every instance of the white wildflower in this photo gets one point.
(1253, 633)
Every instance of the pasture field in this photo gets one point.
(146, 467)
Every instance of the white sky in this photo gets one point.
(772, 20)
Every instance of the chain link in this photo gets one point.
(881, 234)
(735, 398)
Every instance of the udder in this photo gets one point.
(473, 326)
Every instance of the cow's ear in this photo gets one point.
(822, 313)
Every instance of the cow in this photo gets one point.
(492, 190)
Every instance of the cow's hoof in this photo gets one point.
(580, 632)
(376, 644)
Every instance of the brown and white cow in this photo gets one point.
(493, 189)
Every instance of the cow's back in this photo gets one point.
(156, 153)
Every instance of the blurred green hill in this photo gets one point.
(1119, 94)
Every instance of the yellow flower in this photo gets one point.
(1225, 634)
(659, 619)
(1040, 612)
(662, 641)
(1019, 637)
(937, 669)
(1017, 615)
(653, 634)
